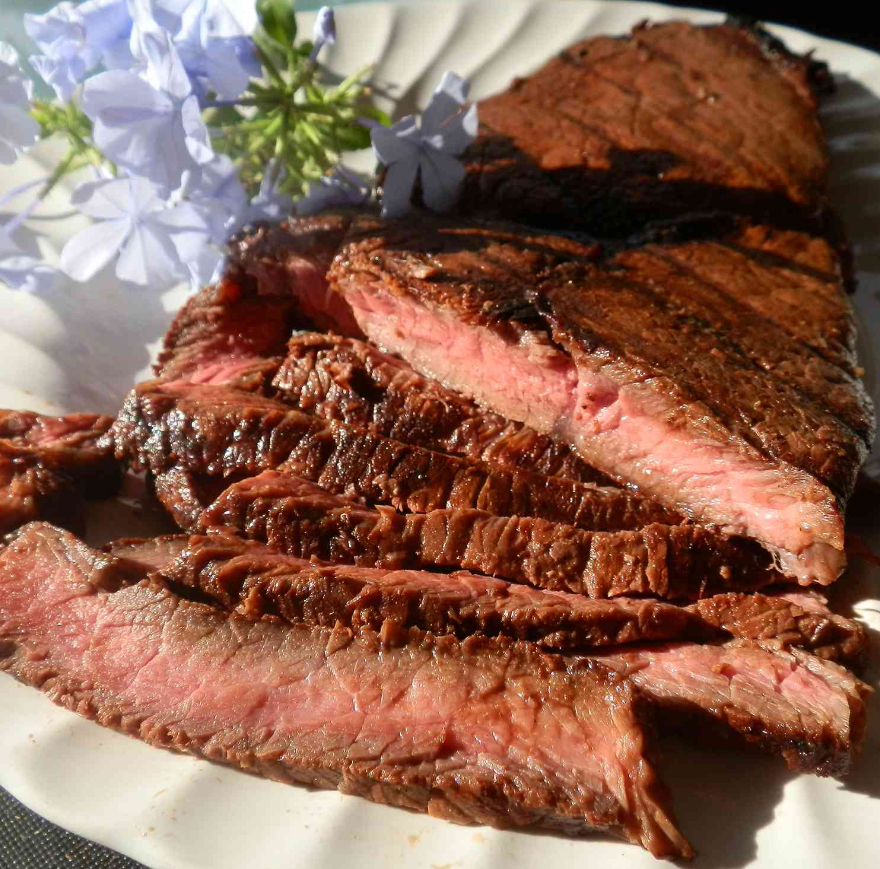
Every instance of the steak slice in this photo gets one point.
(643, 385)
(73, 445)
(48, 463)
(480, 731)
(810, 711)
(227, 334)
(290, 261)
(351, 381)
(301, 519)
(615, 133)
(219, 431)
(256, 580)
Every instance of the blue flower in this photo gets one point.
(220, 193)
(324, 31)
(18, 130)
(75, 39)
(340, 189)
(22, 272)
(216, 53)
(134, 222)
(151, 126)
(427, 151)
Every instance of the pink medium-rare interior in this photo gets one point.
(175, 664)
(718, 676)
(619, 426)
(318, 301)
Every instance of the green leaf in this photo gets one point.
(351, 137)
(279, 20)
(376, 114)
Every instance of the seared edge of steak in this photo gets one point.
(301, 519)
(221, 431)
(353, 382)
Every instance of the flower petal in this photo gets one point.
(442, 177)
(398, 186)
(400, 142)
(459, 132)
(18, 130)
(446, 101)
(149, 258)
(196, 137)
(87, 252)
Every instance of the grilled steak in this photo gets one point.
(256, 580)
(644, 382)
(227, 334)
(302, 519)
(73, 445)
(614, 133)
(48, 463)
(353, 382)
(809, 710)
(220, 431)
(291, 260)
(483, 731)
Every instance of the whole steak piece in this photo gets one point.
(480, 731)
(675, 119)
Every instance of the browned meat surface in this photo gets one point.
(353, 382)
(614, 133)
(47, 465)
(809, 710)
(301, 519)
(218, 431)
(257, 580)
(650, 382)
(73, 445)
(227, 334)
(555, 743)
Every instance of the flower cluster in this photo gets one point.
(194, 129)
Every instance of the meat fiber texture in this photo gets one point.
(48, 464)
(480, 731)
(258, 580)
(302, 519)
(810, 711)
(351, 381)
(222, 431)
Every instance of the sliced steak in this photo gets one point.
(290, 261)
(353, 382)
(809, 710)
(257, 580)
(29, 491)
(186, 495)
(227, 334)
(615, 133)
(47, 465)
(218, 431)
(73, 445)
(483, 731)
(302, 519)
(646, 387)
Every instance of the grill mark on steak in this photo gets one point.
(810, 711)
(482, 731)
(221, 431)
(350, 381)
(257, 580)
(766, 343)
(301, 519)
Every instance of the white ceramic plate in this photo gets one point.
(82, 347)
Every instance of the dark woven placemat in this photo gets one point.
(28, 841)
